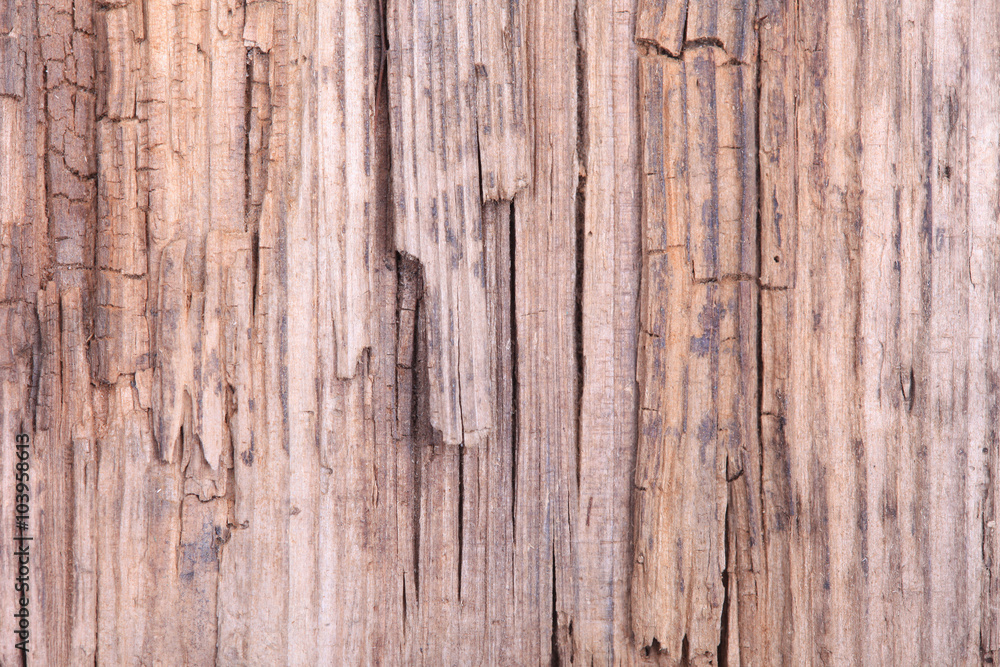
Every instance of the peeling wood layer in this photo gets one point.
(436, 183)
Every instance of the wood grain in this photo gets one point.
(697, 365)
(503, 118)
(24, 255)
(653, 332)
(608, 263)
(544, 302)
(436, 192)
(874, 348)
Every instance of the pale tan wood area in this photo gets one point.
(492, 332)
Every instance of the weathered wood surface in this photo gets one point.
(489, 332)
(697, 364)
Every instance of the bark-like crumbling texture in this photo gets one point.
(697, 361)
(436, 189)
(496, 333)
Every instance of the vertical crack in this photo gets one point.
(404, 624)
(515, 398)
(248, 185)
(987, 644)
(416, 524)
(581, 211)
(257, 152)
(721, 651)
(381, 80)
(37, 355)
(422, 434)
(247, 125)
(684, 33)
(461, 513)
(554, 658)
(760, 298)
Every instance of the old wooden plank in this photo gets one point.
(702, 153)
(497, 499)
(957, 462)
(736, 163)
(830, 188)
(199, 213)
(984, 189)
(192, 231)
(52, 461)
(63, 38)
(456, 518)
(390, 542)
(82, 437)
(783, 517)
(880, 345)
(24, 255)
(173, 102)
(344, 70)
(346, 576)
(680, 470)
(256, 545)
(738, 433)
(664, 154)
(62, 457)
(915, 205)
(138, 541)
(339, 152)
(888, 315)
(299, 367)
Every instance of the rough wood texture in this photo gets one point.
(544, 298)
(697, 364)
(503, 117)
(438, 218)
(608, 261)
(605, 332)
(879, 395)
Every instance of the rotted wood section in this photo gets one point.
(697, 464)
(488, 332)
